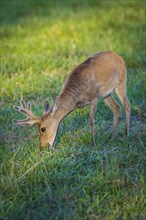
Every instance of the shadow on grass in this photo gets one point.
(12, 12)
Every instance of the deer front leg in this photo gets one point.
(92, 114)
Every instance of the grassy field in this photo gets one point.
(41, 42)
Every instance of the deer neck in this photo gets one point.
(63, 106)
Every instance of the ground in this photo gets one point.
(41, 42)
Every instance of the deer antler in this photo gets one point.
(26, 110)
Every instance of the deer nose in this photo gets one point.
(43, 146)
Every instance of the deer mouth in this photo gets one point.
(44, 146)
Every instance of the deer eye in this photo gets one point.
(43, 129)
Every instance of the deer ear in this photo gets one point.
(47, 106)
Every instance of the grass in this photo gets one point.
(41, 42)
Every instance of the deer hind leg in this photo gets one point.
(92, 114)
(121, 92)
(113, 105)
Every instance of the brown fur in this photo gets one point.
(95, 78)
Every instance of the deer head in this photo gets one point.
(47, 124)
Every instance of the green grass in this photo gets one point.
(41, 42)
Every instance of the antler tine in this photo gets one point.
(29, 106)
(24, 122)
(22, 103)
(26, 110)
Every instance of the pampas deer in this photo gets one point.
(97, 77)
